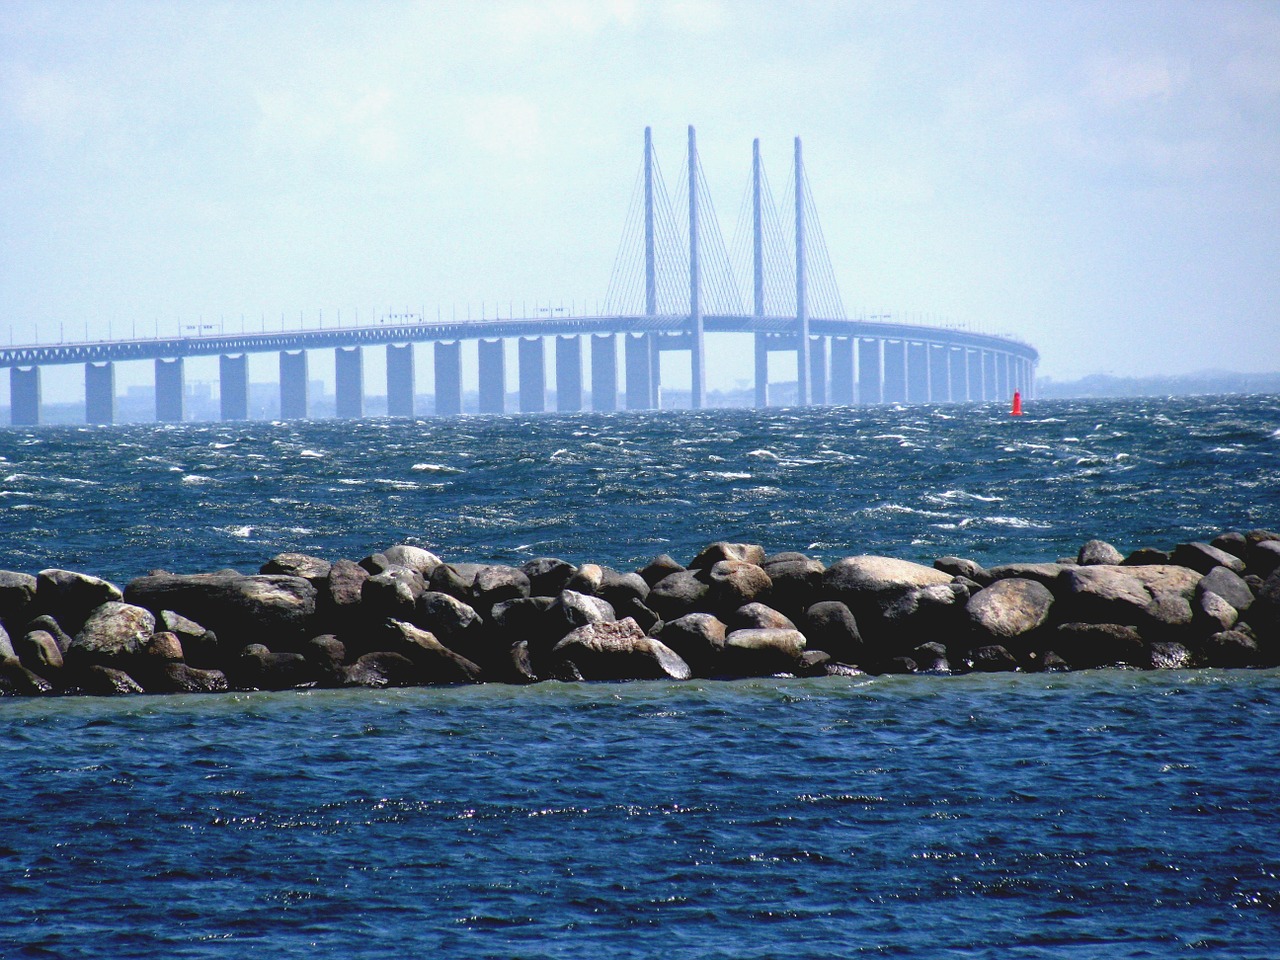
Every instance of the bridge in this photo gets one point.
(673, 284)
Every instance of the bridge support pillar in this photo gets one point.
(762, 370)
(533, 375)
(233, 386)
(100, 393)
(604, 373)
(917, 372)
(493, 376)
(842, 371)
(293, 385)
(655, 371)
(568, 374)
(169, 390)
(870, 380)
(990, 377)
(639, 372)
(1006, 376)
(24, 396)
(895, 371)
(448, 369)
(400, 378)
(348, 382)
(818, 370)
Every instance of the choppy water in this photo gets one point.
(1100, 814)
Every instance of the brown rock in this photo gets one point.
(620, 650)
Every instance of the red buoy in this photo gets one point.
(1017, 404)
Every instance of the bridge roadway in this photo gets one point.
(850, 361)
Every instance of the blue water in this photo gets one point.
(1098, 814)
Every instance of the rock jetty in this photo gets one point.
(405, 617)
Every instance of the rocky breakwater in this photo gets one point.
(405, 617)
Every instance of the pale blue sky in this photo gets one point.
(1101, 179)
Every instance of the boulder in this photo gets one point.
(1212, 614)
(1009, 609)
(1045, 574)
(637, 611)
(115, 634)
(99, 681)
(619, 588)
(1229, 586)
(49, 624)
(679, 593)
(421, 561)
(17, 680)
(258, 668)
(381, 668)
(199, 646)
(7, 649)
(525, 619)
(922, 614)
(813, 663)
(328, 653)
(239, 609)
(455, 579)
(1169, 655)
(1164, 577)
(720, 550)
(991, 658)
(455, 624)
(659, 568)
(757, 615)
(297, 565)
(1202, 558)
(345, 585)
(183, 678)
(571, 610)
(1144, 556)
(698, 639)
(391, 593)
(1232, 541)
(38, 651)
(931, 658)
(1234, 648)
(1105, 594)
(762, 652)
(1095, 552)
(17, 594)
(548, 576)
(521, 666)
(70, 596)
(498, 583)
(797, 582)
(588, 579)
(962, 567)
(830, 625)
(1264, 558)
(436, 662)
(375, 563)
(869, 585)
(1088, 645)
(736, 582)
(620, 650)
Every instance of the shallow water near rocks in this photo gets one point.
(1099, 814)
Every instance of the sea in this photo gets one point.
(1100, 814)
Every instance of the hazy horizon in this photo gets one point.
(1100, 180)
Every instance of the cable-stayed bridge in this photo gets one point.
(674, 282)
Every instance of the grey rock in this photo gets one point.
(457, 625)
(1009, 609)
(378, 669)
(392, 593)
(1144, 556)
(588, 579)
(962, 567)
(1264, 558)
(931, 658)
(737, 582)
(521, 664)
(713, 553)
(762, 652)
(831, 626)
(297, 565)
(70, 596)
(239, 609)
(1045, 574)
(869, 585)
(49, 624)
(421, 561)
(100, 681)
(679, 593)
(455, 579)
(659, 568)
(698, 638)
(1229, 586)
(1202, 558)
(437, 662)
(757, 615)
(1233, 542)
(1213, 614)
(813, 663)
(797, 582)
(7, 650)
(345, 585)
(183, 678)
(619, 588)
(1234, 648)
(620, 650)
(1169, 655)
(571, 610)
(327, 652)
(17, 594)
(39, 651)
(1090, 645)
(1094, 552)
(637, 610)
(548, 576)
(991, 658)
(199, 646)
(498, 583)
(1105, 594)
(258, 668)
(922, 614)
(115, 634)
(17, 680)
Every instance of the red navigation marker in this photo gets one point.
(1017, 405)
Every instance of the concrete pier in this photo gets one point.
(348, 382)
(818, 370)
(842, 371)
(870, 374)
(639, 372)
(939, 384)
(568, 374)
(493, 376)
(448, 369)
(895, 371)
(24, 396)
(293, 385)
(531, 359)
(400, 377)
(762, 370)
(233, 386)
(959, 390)
(100, 393)
(917, 372)
(169, 390)
(604, 373)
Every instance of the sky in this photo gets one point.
(1101, 180)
